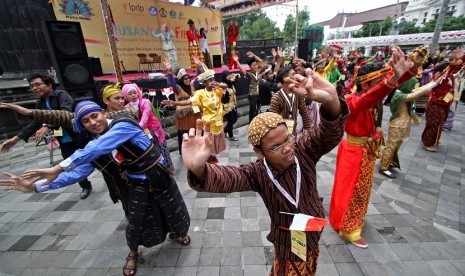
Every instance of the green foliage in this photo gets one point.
(156, 110)
(408, 28)
(428, 27)
(289, 26)
(451, 23)
(256, 25)
(379, 28)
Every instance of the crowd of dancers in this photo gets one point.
(299, 110)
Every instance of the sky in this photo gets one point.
(320, 10)
(324, 10)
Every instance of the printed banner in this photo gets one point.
(139, 29)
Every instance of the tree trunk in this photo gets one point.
(439, 24)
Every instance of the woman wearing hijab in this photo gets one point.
(167, 44)
(147, 120)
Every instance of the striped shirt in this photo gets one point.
(253, 177)
(281, 106)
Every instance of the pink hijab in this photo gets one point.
(132, 86)
(147, 119)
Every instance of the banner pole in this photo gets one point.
(111, 39)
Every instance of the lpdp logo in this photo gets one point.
(133, 7)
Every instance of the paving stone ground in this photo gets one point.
(415, 223)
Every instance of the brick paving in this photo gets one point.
(415, 223)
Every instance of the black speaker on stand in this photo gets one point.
(305, 49)
(96, 66)
(69, 56)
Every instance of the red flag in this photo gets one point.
(303, 222)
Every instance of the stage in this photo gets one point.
(134, 76)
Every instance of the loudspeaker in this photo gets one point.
(305, 49)
(96, 66)
(217, 61)
(68, 51)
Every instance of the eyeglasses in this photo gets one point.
(36, 85)
(290, 139)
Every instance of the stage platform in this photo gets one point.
(132, 77)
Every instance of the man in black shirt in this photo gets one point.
(49, 98)
(266, 88)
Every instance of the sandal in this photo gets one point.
(132, 268)
(184, 241)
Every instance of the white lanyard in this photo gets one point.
(291, 105)
(281, 189)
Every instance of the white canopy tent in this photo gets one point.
(408, 39)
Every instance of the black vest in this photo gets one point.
(136, 160)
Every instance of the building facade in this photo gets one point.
(423, 11)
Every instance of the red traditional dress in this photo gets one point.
(437, 110)
(194, 50)
(438, 107)
(233, 33)
(355, 162)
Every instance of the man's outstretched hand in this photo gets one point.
(196, 149)
(17, 183)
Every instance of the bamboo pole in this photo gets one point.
(111, 39)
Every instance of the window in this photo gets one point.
(426, 14)
(453, 8)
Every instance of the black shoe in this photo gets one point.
(387, 173)
(85, 192)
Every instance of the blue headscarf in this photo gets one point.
(82, 109)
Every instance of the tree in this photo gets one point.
(289, 26)
(408, 28)
(256, 25)
(375, 28)
(451, 23)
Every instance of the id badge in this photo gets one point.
(299, 244)
(58, 132)
(448, 97)
(149, 134)
(290, 126)
(196, 109)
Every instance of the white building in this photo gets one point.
(426, 10)
(344, 25)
